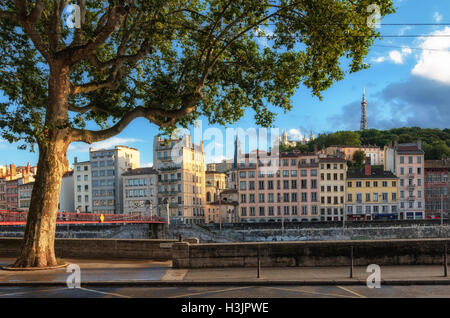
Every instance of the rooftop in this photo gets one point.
(376, 173)
(140, 171)
(436, 164)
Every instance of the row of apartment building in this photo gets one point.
(396, 183)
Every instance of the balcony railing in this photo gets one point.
(169, 180)
(169, 168)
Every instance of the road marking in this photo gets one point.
(352, 292)
(105, 293)
(309, 292)
(28, 291)
(174, 274)
(209, 292)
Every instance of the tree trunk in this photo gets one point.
(39, 238)
(38, 244)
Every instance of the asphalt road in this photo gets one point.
(229, 292)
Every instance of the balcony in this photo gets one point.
(411, 198)
(169, 169)
(411, 174)
(168, 181)
(167, 158)
(411, 187)
(162, 193)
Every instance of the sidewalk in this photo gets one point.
(152, 273)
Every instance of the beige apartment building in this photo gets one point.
(288, 193)
(407, 162)
(215, 183)
(333, 173)
(140, 191)
(181, 180)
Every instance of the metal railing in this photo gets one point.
(7, 217)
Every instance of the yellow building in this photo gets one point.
(332, 188)
(181, 179)
(371, 193)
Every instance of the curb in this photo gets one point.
(225, 283)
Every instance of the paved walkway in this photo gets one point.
(141, 272)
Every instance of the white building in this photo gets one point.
(140, 191)
(107, 166)
(66, 197)
(82, 187)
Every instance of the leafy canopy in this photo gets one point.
(172, 61)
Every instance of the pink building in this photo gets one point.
(288, 193)
(406, 161)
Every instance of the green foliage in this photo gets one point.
(435, 142)
(359, 157)
(192, 58)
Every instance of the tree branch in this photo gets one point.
(29, 25)
(161, 117)
(114, 17)
(9, 15)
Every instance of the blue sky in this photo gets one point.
(408, 84)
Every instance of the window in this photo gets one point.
(261, 211)
(243, 185)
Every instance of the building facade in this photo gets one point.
(333, 172)
(66, 196)
(181, 180)
(437, 188)
(82, 179)
(25, 191)
(376, 154)
(140, 191)
(288, 193)
(407, 162)
(107, 167)
(371, 193)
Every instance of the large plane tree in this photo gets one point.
(169, 61)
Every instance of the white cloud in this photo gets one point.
(380, 59)
(105, 144)
(403, 30)
(214, 159)
(394, 56)
(147, 165)
(435, 65)
(437, 17)
(294, 134)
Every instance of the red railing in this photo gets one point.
(13, 217)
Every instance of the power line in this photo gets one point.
(412, 48)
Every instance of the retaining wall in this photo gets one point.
(310, 253)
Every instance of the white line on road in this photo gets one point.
(352, 292)
(209, 292)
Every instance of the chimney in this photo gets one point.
(75, 160)
(13, 171)
(368, 169)
(28, 168)
(419, 144)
